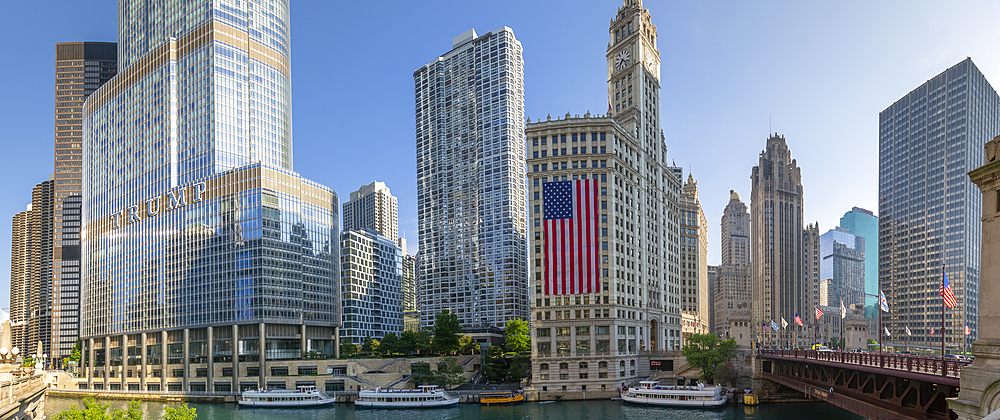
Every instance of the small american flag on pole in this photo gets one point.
(798, 320)
(819, 313)
(967, 330)
(572, 236)
(949, 297)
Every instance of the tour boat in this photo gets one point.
(701, 396)
(304, 396)
(500, 397)
(425, 396)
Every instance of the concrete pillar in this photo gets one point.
(125, 368)
(187, 359)
(142, 366)
(209, 385)
(262, 341)
(336, 342)
(107, 360)
(91, 363)
(304, 343)
(236, 358)
(163, 360)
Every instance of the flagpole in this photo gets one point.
(880, 321)
(843, 317)
(942, 315)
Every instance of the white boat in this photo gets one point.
(304, 396)
(426, 396)
(651, 393)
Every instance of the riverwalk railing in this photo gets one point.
(11, 391)
(898, 362)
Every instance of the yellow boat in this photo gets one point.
(500, 398)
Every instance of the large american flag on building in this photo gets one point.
(572, 237)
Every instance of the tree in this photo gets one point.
(466, 345)
(370, 346)
(389, 344)
(446, 332)
(407, 343)
(420, 373)
(706, 352)
(517, 336)
(180, 413)
(75, 355)
(495, 365)
(518, 367)
(425, 341)
(348, 349)
(450, 372)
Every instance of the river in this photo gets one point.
(563, 410)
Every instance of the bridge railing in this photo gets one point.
(901, 362)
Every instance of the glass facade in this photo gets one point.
(842, 268)
(372, 267)
(195, 225)
(864, 223)
(929, 212)
(471, 205)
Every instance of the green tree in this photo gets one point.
(180, 413)
(706, 352)
(389, 344)
(446, 332)
(518, 367)
(425, 341)
(517, 336)
(370, 346)
(466, 345)
(450, 372)
(75, 355)
(407, 342)
(421, 373)
(348, 349)
(495, 365)
(133, 411)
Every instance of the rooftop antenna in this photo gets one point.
(768, 123)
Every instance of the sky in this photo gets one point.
(732, 72)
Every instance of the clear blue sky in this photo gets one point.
(819, 71)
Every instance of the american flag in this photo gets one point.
(967, 330)
(798, 320)
(572, 236)
(819, 313)
(949, 297)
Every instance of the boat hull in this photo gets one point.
(394, 404)
(286, 404)
(676, 403)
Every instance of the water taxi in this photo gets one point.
(425, 396)
(500, 397)
(651, 393)
(304, 396)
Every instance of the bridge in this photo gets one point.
(878, 386)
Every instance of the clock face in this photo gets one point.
(622, 60)
(649, 58)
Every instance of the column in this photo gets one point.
(142, 367)
(262, 341)
(236, 358)
(91, 363)
(336, 342)
(209, 385)
(187, 359)
(163, 360)
(124, 344)
(304, 343)
(107, 360)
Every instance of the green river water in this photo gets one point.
(563, 410)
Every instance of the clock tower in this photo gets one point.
(634, 75)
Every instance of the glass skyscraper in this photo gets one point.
(202, 248)
(471, 203)
(842, 268)
(864, 223)
(372, 277)
(928, 210)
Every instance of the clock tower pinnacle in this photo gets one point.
(634, 74)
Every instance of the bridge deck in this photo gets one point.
(921, 368)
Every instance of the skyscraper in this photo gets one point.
(693, 259)
(713, 277)
(779, 279)
(864, 223)
(203, 247)
(470, 181)
(732, 286)
(842, 268)
(31, 272)
(373, 207)
(373, 296)
(929, 212)
(605, 243)
(81, 68)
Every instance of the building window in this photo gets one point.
(542, 332)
